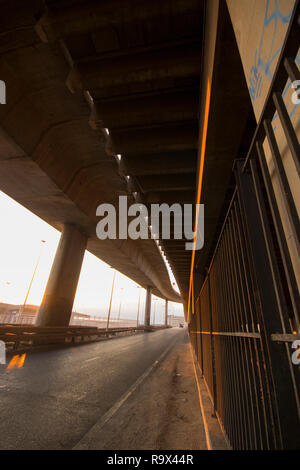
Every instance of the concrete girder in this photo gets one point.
(167, 183)
(161, 163)
(146, 109)
(170, 197)
(61, 20)
(140, 71)
(161, 138)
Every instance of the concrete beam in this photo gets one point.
(167, 183)
(167, 137)
(60, 20)
(151, 108)
(122, 74)
(162, 163)
(56, 307)
(170, 197)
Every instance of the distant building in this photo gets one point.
(18, 314)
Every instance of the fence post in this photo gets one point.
(212, 345)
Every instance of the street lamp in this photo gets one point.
(138, 311)
(110, 301)
(33, 275)
(121, 292)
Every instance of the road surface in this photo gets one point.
(59, 394)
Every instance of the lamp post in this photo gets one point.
(138, 311)
(33, 275)
(120, 305)
(110, 301)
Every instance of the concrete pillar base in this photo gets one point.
(166, 313)
(148, 306)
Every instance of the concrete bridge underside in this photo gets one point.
(73, 69)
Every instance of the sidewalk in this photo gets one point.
(163, 413)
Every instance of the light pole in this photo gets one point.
(138, 311)
(120, 305)
(110, 301)
(33, 275)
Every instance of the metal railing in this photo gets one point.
(18, 337)
(247, 314)
(99, 322)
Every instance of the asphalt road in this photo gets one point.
(58, 395)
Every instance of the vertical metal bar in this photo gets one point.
(263, 392)
(201, 339)
(235, 341)
(285, 410)
(197, 330)
(292, 69)
(284, 184)
(282, 309)
(220, 353)
(287, 263)
(236, 407)
(251, 357)
(289, 131)
(212, 345)
(232, 427)
(263, 364)
(240, 358)
(215, 328)
(251, 441)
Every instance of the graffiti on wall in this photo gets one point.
(267, 53)
(264, 59)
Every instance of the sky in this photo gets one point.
(21, 233)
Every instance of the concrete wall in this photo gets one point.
(260, 28)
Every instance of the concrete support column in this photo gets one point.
(166, 313)
(57, 303)
(148, 306)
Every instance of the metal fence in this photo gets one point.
(99, 322)
(246, 317)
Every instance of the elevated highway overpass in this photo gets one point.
(174, 101)
(127, 72)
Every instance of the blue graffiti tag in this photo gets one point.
(260, 66)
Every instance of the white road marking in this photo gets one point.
(83, 444)
(92, 359)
